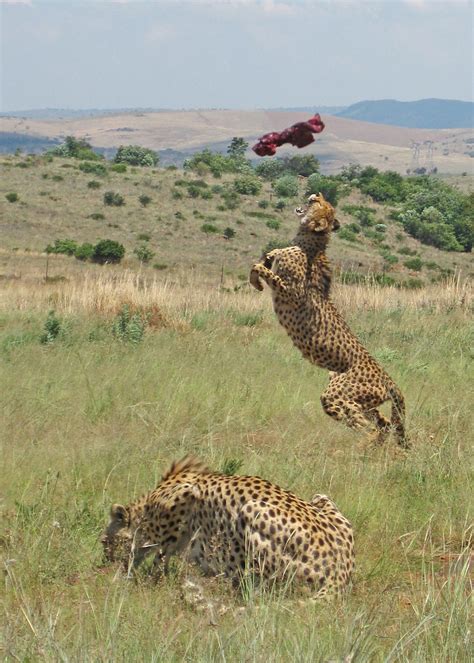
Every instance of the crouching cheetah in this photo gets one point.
(300, 279)
(234, 525)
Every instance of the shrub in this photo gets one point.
(231, 199)
(405, 251)
(128, 327)
(12, 197)
(414, 263)
(97, 216)
(113, 199)
(263, 204)
(365, 215)
(57, 178)
(67, 247)
(347, 234)
(280, 205)
(270, 169)
(286, 186)
(328, 186)
(144, 200)
(108, 251)
(177, 195)
(76, 148)
(144, 253)
(217, 188)
(84, 252)
(118, 168)
(274, 224)
(274, 244)
(136, 156)
(247, 185)
(94, 184)
(206, 194)
(93, 167)
(229, 233)
(209, 228)
(52, 329)
(194, 191)
(354, 227)
(380, 228)
(413, 284)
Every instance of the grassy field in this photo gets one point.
(98, 400)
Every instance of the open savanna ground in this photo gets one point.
(342, 142)
(56, 200)
(98, 399)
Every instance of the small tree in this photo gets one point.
(286, 186)
(237, 148)
(144, 253)
(247, 185)
(108, 251)
(113, 199)
(136, 156)
(328, 186)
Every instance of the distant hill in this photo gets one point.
(422, 114)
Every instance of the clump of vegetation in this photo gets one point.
(84, 252)
(280, 205)
(229, 233)
(209, 228)
(97, 216)
(364, 215)
(128, 327)
(328, 186)
(349, 235)
(263, 204)
(67, 247)
(93, 168)
(274, 224)
(144, 253)
(118, 167)
(286, 186)
(144, 200)
(415, 264)
(108, 251)
(134, 155)
(76, 148)
(112, 198)
(12, 197)
(52, 329)
(247, 185)
(94, 184)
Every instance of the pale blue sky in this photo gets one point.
(232, 54)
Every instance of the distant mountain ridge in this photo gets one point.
(422, 114)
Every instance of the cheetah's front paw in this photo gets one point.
(255, 281)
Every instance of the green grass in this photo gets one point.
(89, 419)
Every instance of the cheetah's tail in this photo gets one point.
(398, 415)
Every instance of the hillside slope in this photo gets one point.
(56, 201)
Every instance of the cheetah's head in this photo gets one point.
(318, 215)
(122, 537)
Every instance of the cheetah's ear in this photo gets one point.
(118, 512)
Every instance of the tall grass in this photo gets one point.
(89, 419)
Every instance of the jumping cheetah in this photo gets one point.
(234, 525)
(300, 279)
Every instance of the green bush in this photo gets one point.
(113, 199)
(75, 148)
(286, 186)
(405, 251)
(67, 247)
(144, 253)
(270, 169)
(347, 234)
(274, 224)
(128, 327)
(194, 191)
(280, 205)
(84, 252)
(206, 194)
(328, 186)
(118, 167)
(12, 197)
(177, 195)
(93, 167)
(108, 251)
(231, 199)
(263, 204)
(229, 233)
(94, 184)
(144, 200)
(365, 215)
(209, 228)
(135, 155)
(415, 264)
(52, 329)
(247, 185)
(97, 216)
